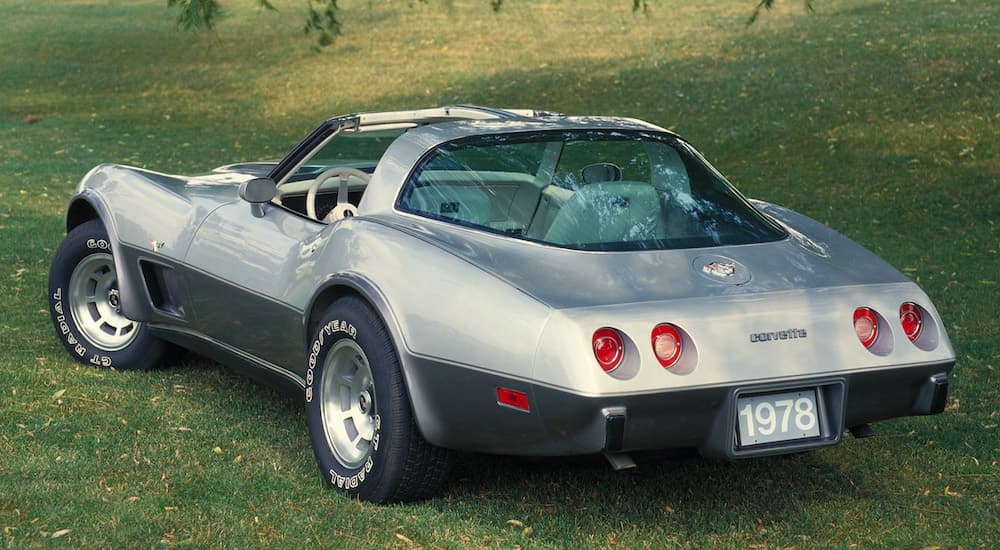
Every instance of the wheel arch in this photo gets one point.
(333, 289)
(88, 206)
(353, 284)
(81, 211)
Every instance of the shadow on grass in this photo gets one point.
(675, 487)
(669, 489)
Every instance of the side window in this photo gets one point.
(477, 183)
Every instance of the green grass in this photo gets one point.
(879, 118)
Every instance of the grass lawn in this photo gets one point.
(880, 118)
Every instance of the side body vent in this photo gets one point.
(161, 286)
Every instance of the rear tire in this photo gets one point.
(361, 424)
(85, 305)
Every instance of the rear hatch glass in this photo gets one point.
(585, 190)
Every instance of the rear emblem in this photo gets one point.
(720, 269)
(790, 334)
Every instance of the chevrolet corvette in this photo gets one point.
(499, 281)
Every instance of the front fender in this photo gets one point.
(88, 205)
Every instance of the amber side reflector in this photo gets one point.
(513, 398)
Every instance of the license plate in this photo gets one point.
(775, 417)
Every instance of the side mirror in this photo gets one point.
(257, 192)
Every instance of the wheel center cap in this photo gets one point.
(364, 401)
(114, 300)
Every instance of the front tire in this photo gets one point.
(360, 419)
(85, 305)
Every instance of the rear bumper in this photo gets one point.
(456, 407)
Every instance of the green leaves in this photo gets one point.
(196, 14)
(767, 5)
(200, 15)
(321, 17)
(323, 21)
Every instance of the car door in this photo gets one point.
(250, 277)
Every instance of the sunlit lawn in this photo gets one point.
(879, 118)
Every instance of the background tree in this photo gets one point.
(321, 18)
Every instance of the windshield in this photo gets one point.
(361, 150)
(586, 190)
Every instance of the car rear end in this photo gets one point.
(738, 376)
(681, 313)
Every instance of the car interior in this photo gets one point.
(326, 193)
(572, 192)
(574, 195)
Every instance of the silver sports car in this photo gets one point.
(499, 281)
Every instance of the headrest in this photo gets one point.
(600, 172)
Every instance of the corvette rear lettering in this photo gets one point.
(790, 334)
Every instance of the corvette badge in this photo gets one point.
(720, 269)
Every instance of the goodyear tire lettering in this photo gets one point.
(99, 244)
(64, 329)
(141, 352)
(330, 329)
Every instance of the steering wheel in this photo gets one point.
(344, 209)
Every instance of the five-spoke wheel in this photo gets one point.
(347, 401)
(85, 302)
(95, 303)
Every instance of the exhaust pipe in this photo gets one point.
(864, 430)
(620, 461)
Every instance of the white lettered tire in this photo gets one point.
(360, 419)
(86, 309)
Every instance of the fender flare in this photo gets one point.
(425, 415)
(130, 287)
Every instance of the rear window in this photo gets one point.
(587, 190)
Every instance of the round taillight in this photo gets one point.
(667, 345)
(911, 320)
(866, 326)
(608, 348)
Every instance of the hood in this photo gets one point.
(254, 169)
